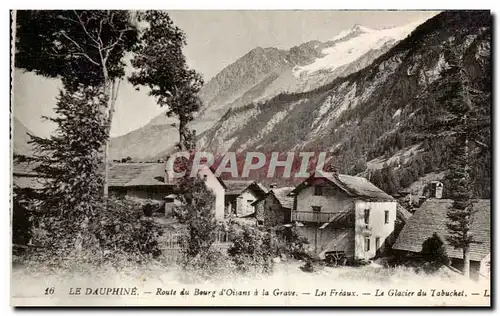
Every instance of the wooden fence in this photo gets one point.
(173, 245)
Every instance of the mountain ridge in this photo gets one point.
(371, 114)
(259, 75)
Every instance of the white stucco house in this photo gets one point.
(344, 214)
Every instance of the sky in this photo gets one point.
(215, 39)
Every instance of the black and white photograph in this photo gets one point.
(334, 158)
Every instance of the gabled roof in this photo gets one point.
(281, 195)
(236, 187)
(136, 174)
(351, 185)
(142, 174)
(24, 169)
(120, 175)
(431, 218)
(24, 182)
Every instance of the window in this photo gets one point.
(367, 244)
(318, 190)
(367, 216)
(377, 242)
(386, 217)
(316, 208)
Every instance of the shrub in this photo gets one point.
(116, 234)
(294, 243)
(252, 249)
(434, 253)
(196, 211)
(124, 227)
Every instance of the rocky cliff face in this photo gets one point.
(262, 74)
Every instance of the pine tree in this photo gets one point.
(460, 216)
(79, 47)
(70, 163)
(456, 95)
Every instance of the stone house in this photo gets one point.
(431, 218)
(239, 196)
(275, 207)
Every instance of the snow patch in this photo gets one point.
(346, 52)
(356, 28)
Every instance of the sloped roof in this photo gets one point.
(143, 174)
(25, 177)
(23, 169)
(361, 187)
(431, 218)
(120, 175)
(27, 182)
(236, 187)
(136, 174)
(281, 195)
(154, 174)
(351, 185)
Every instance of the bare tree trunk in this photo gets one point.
(182, 131)
(466, 268)
(111, 92)
(107, 93)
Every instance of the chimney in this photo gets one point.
(436, 189)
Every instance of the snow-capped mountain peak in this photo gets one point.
(351, 44)
(353, 31)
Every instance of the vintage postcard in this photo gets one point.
(251, 158)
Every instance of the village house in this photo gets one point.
(152, 182)
(431, 218)
(239, 196)
(142, 182)
(344, 215)
(24, 176)
(275, 207)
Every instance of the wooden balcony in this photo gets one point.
(343, 218)
(317, 217)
